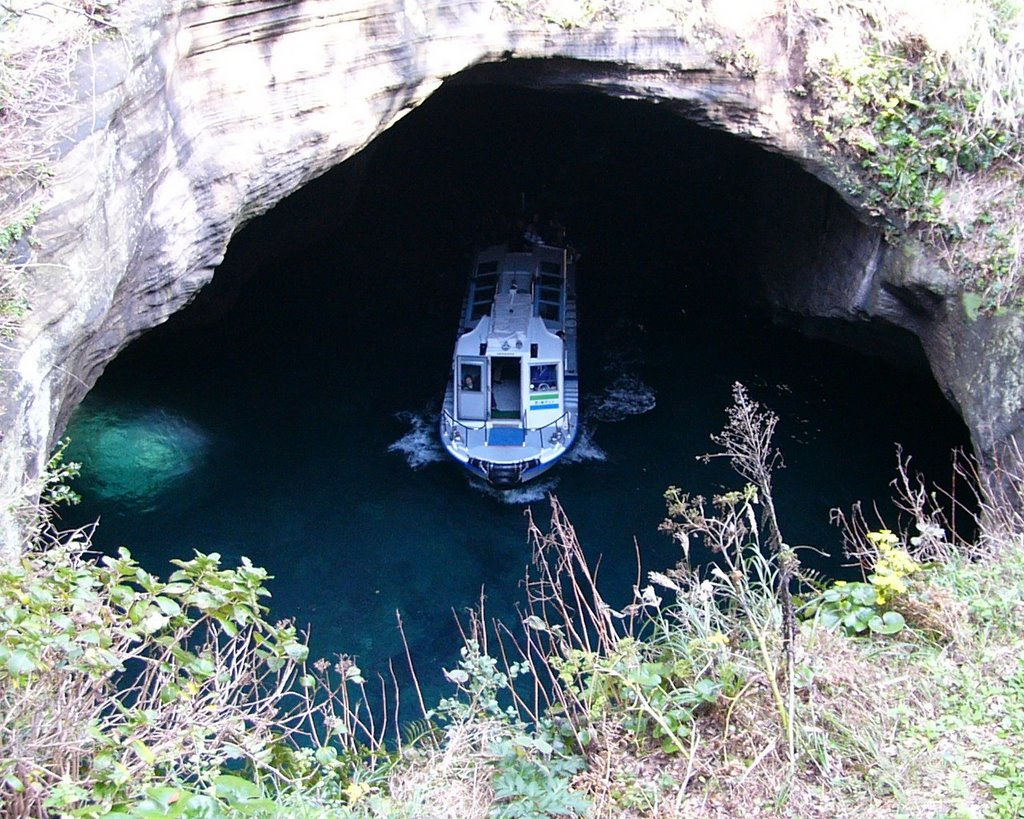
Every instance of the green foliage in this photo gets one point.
(12, 233)
(653, 692)
(230, 797)
(992, 275)
(860, 607)
(980, 708)
(531, 769)
(57, 489)
(531, 780)
(481, 684)
(855, 608)
(904, 116)
(913, 125)
(114, 682)
(12, 309)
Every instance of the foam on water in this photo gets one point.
(134, 454)
(585, 448)
(421, 445)
(627, 395)
(536, 490)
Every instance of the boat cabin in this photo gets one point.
(512, 400)
(510, 365)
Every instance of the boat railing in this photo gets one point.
(559, 430)
(458, 432)
(551, 433)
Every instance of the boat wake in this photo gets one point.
(532, 492)
(585, 448)
(626, 396)
(420, 446)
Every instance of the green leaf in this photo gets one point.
(154, 621)
(168, 606)
(889, 623)
(203, 600)
(235, 788)
(296, 651)
(251, 807)
(830, 618)
(20, 663)
(534, 622)
(707, 689)
(327, 755)
(90, 636)
(145, 754)
(163, 798)
(863, 594)
(457, 676)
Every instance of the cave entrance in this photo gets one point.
(290, 414)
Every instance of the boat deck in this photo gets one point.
(519, 307)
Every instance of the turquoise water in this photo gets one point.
(291, 416)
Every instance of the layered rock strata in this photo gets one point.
(196, 118)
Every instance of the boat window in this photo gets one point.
(469, 377)
(484, 285)
(549, 312)
(551, 268)
(543, 377)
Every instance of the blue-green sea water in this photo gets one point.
(291, 415)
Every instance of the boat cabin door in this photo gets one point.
(506, 387)
(472, 389)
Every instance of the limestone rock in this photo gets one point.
(200, 115)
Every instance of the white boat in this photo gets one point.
(512, 404)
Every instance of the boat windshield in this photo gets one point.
(543, 377)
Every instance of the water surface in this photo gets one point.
(292, 417)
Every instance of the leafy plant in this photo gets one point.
(853, 607)
(868, 606)
(532, 780)
(13, 232)
(113, 681)
(532, 768)
(59, 474)
(910, 124)
(652, 697)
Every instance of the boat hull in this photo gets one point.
(511, 407)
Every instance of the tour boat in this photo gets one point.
(511, 408)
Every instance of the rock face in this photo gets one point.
(200, 117)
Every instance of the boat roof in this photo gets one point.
(511, 313)
(497, 271)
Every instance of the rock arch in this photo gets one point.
(199, 118)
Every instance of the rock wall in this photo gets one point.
(198, 117)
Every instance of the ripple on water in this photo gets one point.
(585, 448)
(626, 396)
(134, 454)
(535, 490)
(421, 445)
